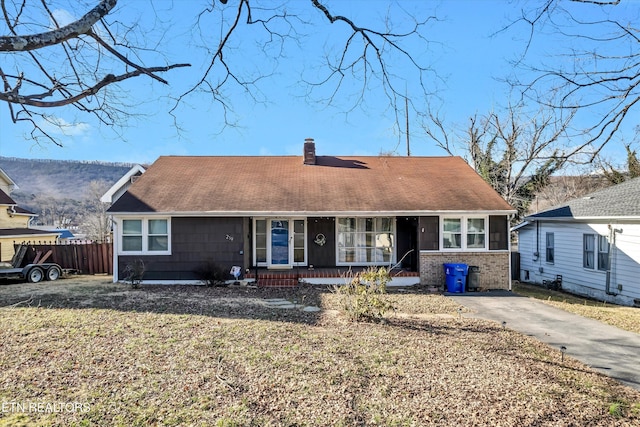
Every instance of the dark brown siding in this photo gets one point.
(195, 241)
(429, 233)
(325, 255)
(498, 233)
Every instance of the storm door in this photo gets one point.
(280, 243)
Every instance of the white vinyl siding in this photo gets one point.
(569, 257)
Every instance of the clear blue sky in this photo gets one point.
(464, 54)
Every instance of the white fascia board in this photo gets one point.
(108, 196)
(601, 219)
(307, 213)
(31, 236)
(25, 214)
(519, 226)
(12, 184)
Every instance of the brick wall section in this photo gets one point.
(494, 267)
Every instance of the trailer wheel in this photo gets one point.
(35, 275)
(53, 273)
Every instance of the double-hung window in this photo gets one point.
(366, 240)
(464, 233)
(595, 252)
(588, 251)
(142, 235)
(550, 254)
(603, 253)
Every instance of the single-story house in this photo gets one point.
(593, 242)
(311, 218)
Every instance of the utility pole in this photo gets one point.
(406, 113)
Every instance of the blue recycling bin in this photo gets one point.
(455, 276)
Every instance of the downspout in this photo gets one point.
(536, 254)
(114, 242)
(509, 218)
(612, 247)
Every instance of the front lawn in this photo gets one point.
(109, 355)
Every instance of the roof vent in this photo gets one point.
(309, 151)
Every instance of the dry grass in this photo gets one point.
(627, 318)
(220, 357)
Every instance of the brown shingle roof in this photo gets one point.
(285, 185)
(5, 199)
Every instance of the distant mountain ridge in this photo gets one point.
(59, 179)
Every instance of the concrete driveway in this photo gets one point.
(604, 348)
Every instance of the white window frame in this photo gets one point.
(593, 251)
(292, 246)
(464, 231)
(393, 233)
(603, 241)
(550, 248)
(145, 235)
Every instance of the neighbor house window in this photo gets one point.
(366, 240)
(464, 233)
(588, 251)
(550, 248)
(145, 236)
(603, 253)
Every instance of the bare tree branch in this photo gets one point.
(598, 75)
(34, 99)
(50, 38)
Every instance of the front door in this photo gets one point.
(280, 243)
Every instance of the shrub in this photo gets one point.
(363, 296)
(211, 274)
(133, 273)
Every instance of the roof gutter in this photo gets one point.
(308, 213)
(582, 218)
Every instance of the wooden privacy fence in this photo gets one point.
(86, 258)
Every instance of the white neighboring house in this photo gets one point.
(592, 241)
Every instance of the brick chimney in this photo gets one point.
(309, 152)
